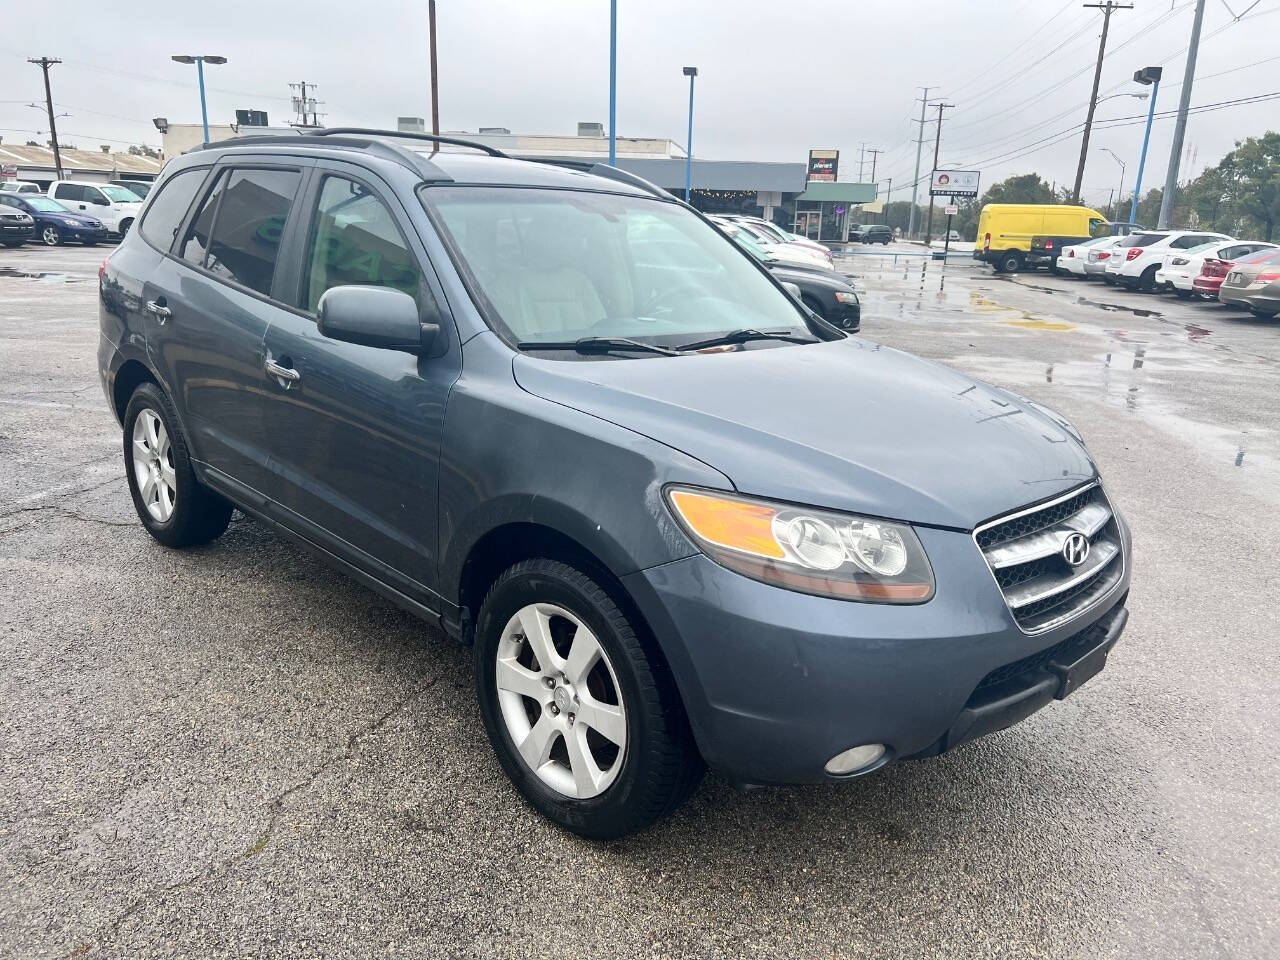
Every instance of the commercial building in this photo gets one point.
(35, 163)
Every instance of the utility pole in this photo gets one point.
(435, 95)
(915, 186)
(937, 143)
(874, 152)
(862, 159)
(887, 194)
(45, 63)
(1107, 9)
(1180, 130)
(306, 109)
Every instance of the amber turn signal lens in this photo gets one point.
(729, 523)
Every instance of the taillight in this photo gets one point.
(1214, 268)
(1267, 277)
(1048, 244)
(1134, 253)
(102, 270)
(986, 242)
(1104, 255)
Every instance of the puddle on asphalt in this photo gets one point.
(46, 276)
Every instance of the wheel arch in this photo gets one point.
(128, 378)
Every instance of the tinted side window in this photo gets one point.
(355, 240)
(196, 243)
(165, 214)
(249, 225)
(68, 191)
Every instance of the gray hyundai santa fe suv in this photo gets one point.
(556, 412)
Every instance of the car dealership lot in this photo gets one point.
(236, 750)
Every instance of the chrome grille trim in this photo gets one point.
(1023, 553)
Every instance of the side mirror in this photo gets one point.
(791, 288)
(375, 317)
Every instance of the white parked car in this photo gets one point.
(775, 231)
(117, 207)
(1180, 271)
(790, 253)
(1136, 259)
(1072, 259)
(19, 186)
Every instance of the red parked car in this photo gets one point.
(1214, 271)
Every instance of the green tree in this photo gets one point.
(1250, 180)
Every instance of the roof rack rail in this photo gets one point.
(408, 135)
(609, 173)
(416, 162)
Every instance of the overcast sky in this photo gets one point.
(775, 78)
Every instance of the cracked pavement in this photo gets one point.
(235, 751)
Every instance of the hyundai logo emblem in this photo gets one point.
(1075, 549)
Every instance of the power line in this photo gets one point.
(1014, 50)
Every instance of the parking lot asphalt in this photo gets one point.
(234, 751)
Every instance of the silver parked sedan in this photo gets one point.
(1255, 285)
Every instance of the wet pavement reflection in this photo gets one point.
(1199, 372)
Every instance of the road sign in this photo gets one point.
(954, 183)
(950, 209)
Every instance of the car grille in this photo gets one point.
(1025, 554)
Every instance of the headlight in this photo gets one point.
(843, 297)
(813, 551)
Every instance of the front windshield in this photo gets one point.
(555, 265)
(44, 205)
(121, 194)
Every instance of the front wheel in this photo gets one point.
(585, 721)
(172, 504)
(124, 227)
(50, 236)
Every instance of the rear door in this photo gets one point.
(355, 434)
(208, 306)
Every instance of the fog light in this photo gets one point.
(855, 759)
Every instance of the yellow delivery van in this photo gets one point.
(1005, 230)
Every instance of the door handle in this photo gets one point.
(286, 375)
(162, 313)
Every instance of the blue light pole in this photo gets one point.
(613, 83)
(200, 62)
(689, 72)
(1151, 77)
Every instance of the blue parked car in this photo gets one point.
(55, 224)
(560, 415)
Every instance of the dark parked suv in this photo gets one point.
(870, 233)
(562, 416)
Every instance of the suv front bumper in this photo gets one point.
(776, 683)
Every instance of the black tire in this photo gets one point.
(1009, 262)
(1147, 282)
(1109, 279)
(661, 764)
(124, 227)
(199, 515)
(50, 235)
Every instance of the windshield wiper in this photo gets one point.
(598, 345)
(742, 336)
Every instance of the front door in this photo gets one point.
(355, 433)
(809, 224)
(208, 307)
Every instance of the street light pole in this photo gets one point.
(1150, 75)
(200, 61)
(1120, 189)
(689, 72)
(613, 83)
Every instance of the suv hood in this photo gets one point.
(848, 424)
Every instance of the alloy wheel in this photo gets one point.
(560, 701)
(153, 465)
(50, 236)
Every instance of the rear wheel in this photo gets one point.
(586, 723)
(1147, 282)
(172, 504)
(1009, 262)
(124, 227)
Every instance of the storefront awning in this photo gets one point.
(846, 192)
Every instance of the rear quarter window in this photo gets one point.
(165, 214)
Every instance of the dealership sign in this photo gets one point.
(823, 164)
(954, 183)
(9, 171)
